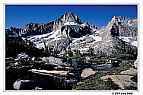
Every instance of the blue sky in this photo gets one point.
(20, 15)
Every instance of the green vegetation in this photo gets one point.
(96, 83)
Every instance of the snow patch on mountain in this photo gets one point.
(70, 23)
(130, 40)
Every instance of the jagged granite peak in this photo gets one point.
(68, 18)
(110, 40)
(69, 25)
(119, 19)
(31, 29)
(123, 26)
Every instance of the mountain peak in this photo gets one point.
(122, 26)
(70, 17)
(69, 13)
(119, 19)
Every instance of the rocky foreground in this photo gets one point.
(45, 73)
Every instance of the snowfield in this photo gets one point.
(70, 23)
(39, 40)
(129, 40)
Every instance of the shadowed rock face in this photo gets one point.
(24, 80)
(115, 30)
(43, 84)
(75, 31)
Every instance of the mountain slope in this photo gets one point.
(68, 31)
(108, 40)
